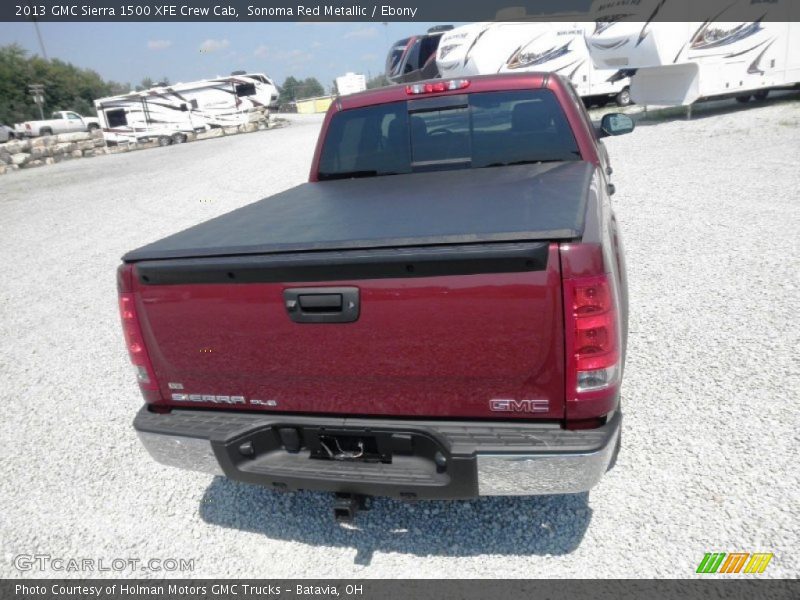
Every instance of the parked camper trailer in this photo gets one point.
(266, 94)
(487, 48)
(168, 113)
(156, 113)
(682, 63)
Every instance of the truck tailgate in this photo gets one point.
(451, 332)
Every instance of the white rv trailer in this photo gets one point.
(485, 48)
(168, 113)
(681, 63)
(266, 94)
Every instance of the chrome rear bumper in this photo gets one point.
(483, 459)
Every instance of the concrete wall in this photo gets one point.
(48, 150)
(36, 152)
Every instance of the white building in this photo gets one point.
(350, 83)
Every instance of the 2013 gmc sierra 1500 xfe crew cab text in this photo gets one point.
(440, 312)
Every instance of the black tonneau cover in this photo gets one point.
(496, 204)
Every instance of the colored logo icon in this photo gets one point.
(734, 562)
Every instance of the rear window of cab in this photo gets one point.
(462, 131)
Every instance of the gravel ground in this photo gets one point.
(709, 209)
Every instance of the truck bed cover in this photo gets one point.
(498, 204)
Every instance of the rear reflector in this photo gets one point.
(134, 341)
(439, 86)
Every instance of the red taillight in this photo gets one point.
(592, 332)
(594, 324)
(132, 330)
(436, 87)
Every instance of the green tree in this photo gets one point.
(296, 89)
(67, 87)
(378, 81)
(288, 91)
(311, 87)
(145, 84)
(149, 82)
(15, 75)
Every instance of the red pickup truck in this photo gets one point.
(440, 312)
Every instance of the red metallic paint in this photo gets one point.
(582, 260)
(433, 347)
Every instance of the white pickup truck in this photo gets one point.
(61, 121)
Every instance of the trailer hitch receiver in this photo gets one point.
(347, 505)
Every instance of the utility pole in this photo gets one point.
(37, 91)
(41, 41)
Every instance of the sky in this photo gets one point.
(129, 52)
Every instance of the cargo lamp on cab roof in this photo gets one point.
(439, 86)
